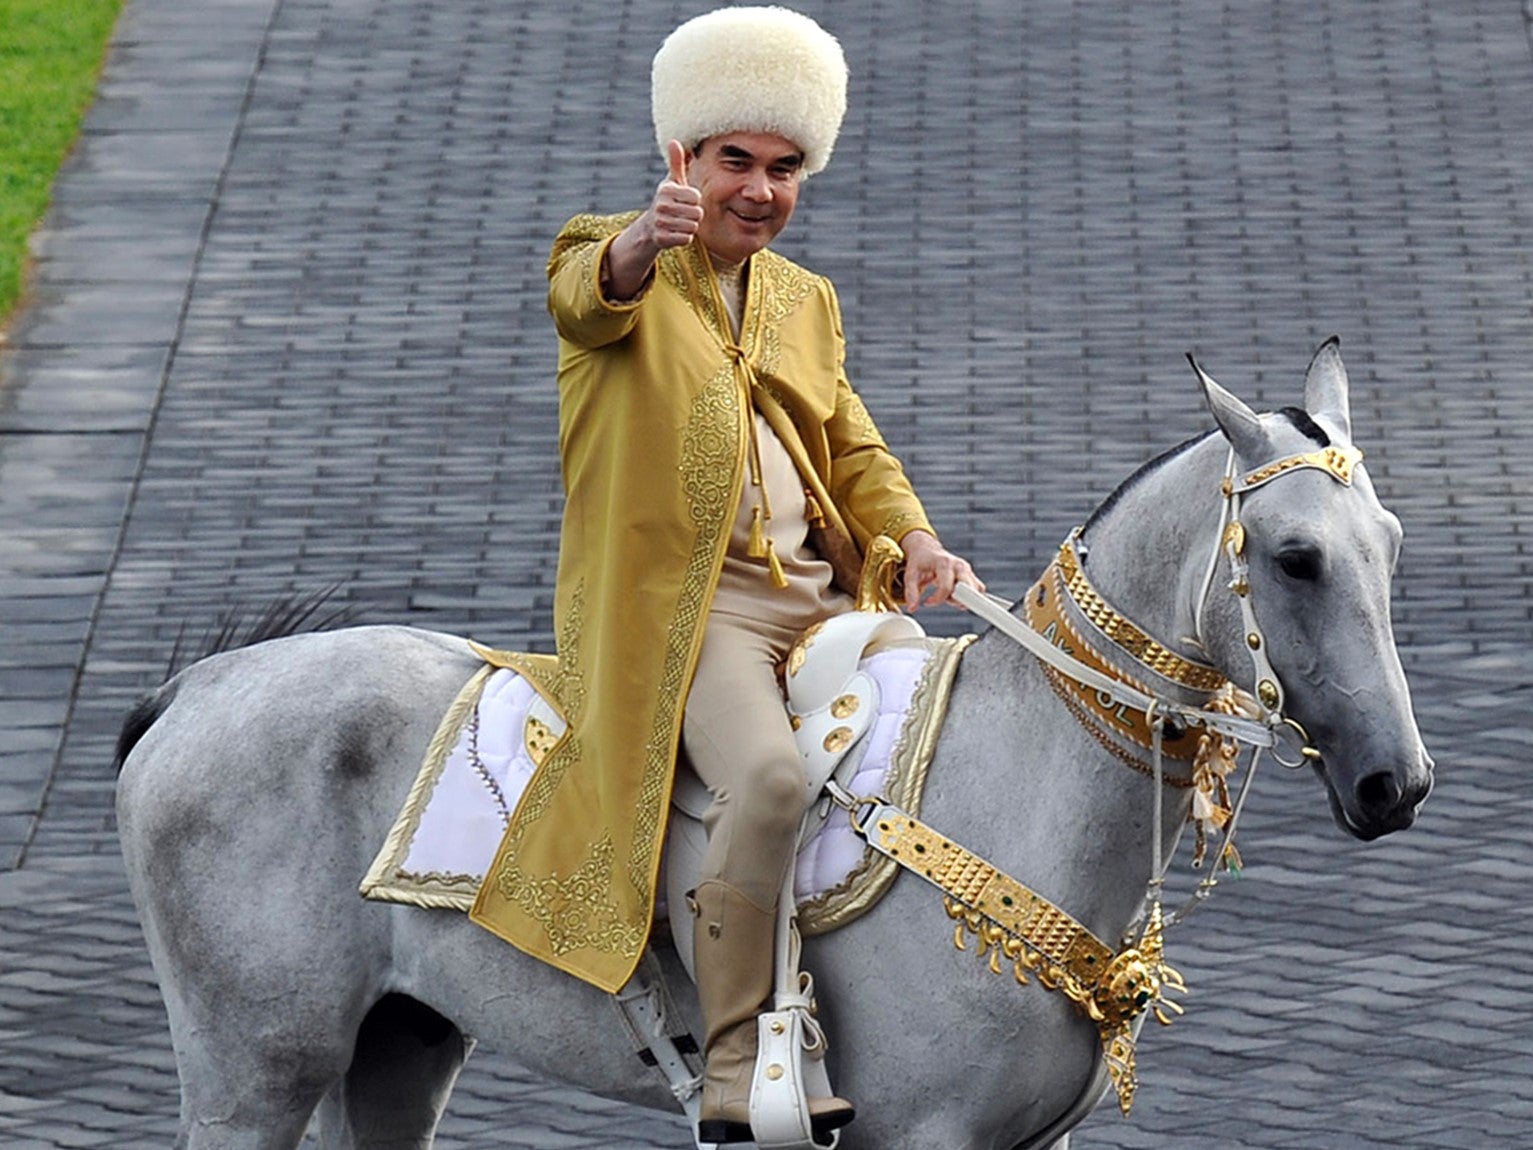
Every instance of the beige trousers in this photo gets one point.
(736, 735)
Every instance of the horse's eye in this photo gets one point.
(1301, 563)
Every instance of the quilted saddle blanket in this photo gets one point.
(501, 725)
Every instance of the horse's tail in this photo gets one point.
(291, 614)
(145, 714)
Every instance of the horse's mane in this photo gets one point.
(1302, 421)
(1134, 480)
(291, 614)
(1297, 416)
(294, 613)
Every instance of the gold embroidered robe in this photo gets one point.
(655, 395)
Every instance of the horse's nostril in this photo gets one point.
(1378, 792)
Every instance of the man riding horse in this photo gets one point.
(722, 479)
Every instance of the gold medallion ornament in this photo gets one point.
(838, 740)
(539, 738)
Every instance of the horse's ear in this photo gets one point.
(1241, 426)
(1325, 391)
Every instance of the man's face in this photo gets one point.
(749, 183)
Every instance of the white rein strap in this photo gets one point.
(998, 613)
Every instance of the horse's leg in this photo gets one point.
(254, 1057)
(253, 1065)
(240, 1106)
(239, 857)
(407, 1059)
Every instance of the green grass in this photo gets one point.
(50, 58)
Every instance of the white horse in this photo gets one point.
(257, 785)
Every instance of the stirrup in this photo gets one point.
(790, 1053)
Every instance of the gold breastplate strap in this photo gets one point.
(1014, 922)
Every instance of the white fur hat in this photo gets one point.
(750, 70)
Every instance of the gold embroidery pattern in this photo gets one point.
(687, 271)
(577, 911)
(568, 687)
(586, 233)
(585, 260)
(785, 285)
(855, 412)
(782, 287)
(567, 684)
(897, 524)
(711, 458)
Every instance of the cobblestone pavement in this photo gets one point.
(288, 330)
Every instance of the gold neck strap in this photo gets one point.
(1123, 634)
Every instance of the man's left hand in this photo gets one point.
(932, 571)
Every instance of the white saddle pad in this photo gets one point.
(451, 824)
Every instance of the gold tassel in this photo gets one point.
(812, 512)
(779, 580)
(757, 547)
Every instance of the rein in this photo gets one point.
(1012, 921)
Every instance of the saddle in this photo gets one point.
(832, 701)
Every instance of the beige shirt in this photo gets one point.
(745, 585)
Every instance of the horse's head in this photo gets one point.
(1320, 551)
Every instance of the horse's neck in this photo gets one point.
(1020, 781)
(1147, 552)
(1077, 820)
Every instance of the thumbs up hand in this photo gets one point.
(671, 221)
(677, 209)
(676, 163)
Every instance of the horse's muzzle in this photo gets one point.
(1383, 802)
